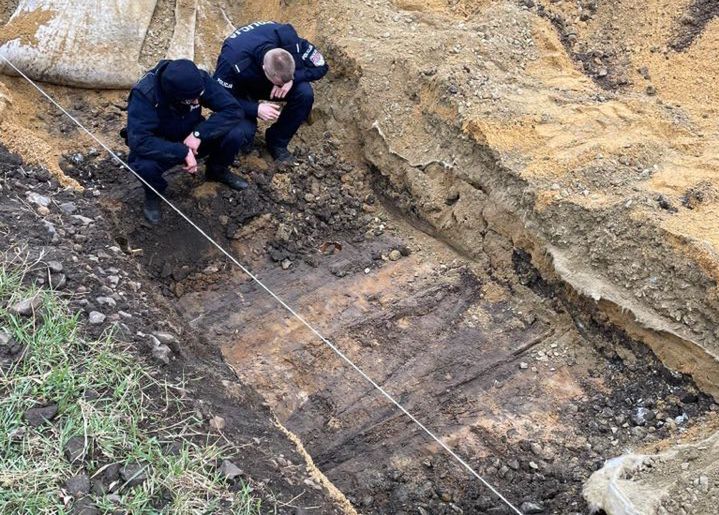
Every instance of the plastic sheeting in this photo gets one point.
(682, 479)
(89, 43)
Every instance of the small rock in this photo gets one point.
(284, 232)
(90, 394)
(395, 255)
(37, 199)
(523, 365)
(27, 307)
(641, 415)
(43, 211)
(689, 398)
(133, 474)
(106, 301)
(651, 90)
(75, 449)
(84, 507)
(162, 353)
(58, 281)
(341, 268)
(286, 264)
(96, 318)
(38, 416)
(83, 219)
(51, 231)
(229, 470)
(78, 486)
(5, 337)
(531, 507)
(55, 267)
(217, 423)
(638, 432)
(68, 207)
(681, 419)
(111, 474)
(113, 280)
(166, 338)
(536, 448)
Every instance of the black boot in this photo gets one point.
(152, 208)
(281, 155)
(224, 176)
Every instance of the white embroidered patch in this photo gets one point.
(224, 84)
(307, 52)
(317, 58)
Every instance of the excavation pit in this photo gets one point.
(514, 372)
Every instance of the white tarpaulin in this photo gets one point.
(683, 479)
(89, 43)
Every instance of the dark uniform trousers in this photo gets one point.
(297, 108)
(221, 152)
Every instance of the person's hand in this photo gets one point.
(268, 112)
(193, 143)
(281, 91)
(190, 162)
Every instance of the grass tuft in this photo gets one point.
(110, 400)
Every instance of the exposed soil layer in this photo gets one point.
(41, 221)
(693, 23)
(519, 376)
(598, 35)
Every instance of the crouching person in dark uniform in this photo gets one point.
(165, 128)
(268, 60)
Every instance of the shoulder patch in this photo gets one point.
(317, 58)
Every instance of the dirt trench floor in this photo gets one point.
(513, 372)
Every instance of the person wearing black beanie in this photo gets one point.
(166, 128)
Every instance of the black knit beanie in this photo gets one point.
(182, 80)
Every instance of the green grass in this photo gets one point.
(123, 425)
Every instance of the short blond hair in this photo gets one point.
(279, 64)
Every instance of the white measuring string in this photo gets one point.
(270, 292)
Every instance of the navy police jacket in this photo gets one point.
(156, 127)
(239, 66)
